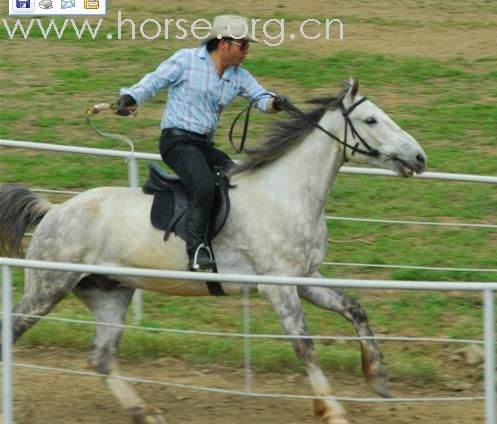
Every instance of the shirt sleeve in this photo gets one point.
(251, 89)
(166, 74)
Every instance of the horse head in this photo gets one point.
(370, 136)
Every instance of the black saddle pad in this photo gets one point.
(162, 209)
(170, 202)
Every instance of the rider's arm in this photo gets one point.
(250, 89)
(166, 74)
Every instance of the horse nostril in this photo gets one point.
(420, 158)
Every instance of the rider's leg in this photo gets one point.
(217, 158)
(190, 164)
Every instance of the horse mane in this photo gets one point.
(287, 133)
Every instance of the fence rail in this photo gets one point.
(251, 279)
(251, 335)
(487, 288)
(250, 394)
(151, 156)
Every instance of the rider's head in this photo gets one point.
(230, 37)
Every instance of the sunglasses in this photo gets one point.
(242, 44)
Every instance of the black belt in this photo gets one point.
(189, 135)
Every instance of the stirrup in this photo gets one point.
(194, 262)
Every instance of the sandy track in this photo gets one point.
(55, 398)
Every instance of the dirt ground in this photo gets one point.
(43, 397)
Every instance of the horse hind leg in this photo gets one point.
(43, 290)
(286, 303)
(109, 303)
(371, 355)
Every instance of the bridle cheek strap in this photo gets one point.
(348, 123)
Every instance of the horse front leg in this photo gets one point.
(371, 355)
(286, 303)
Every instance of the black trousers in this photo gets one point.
(193, 159)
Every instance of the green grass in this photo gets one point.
(448, 105)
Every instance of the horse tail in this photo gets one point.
(20, 208)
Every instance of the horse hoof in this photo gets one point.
(148, 415)
(376, 379)
(156, 419)
(336, 420)
(149, 419)
(379, 386)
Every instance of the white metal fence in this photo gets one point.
(133, 181)
(132, 157)
(487, 288)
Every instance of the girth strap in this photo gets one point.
(215, 288)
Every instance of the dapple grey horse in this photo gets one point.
(276, 227)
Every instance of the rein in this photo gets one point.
(293, 110)
(245, 111)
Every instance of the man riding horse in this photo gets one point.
(202, 81)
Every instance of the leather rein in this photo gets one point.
(293, 110)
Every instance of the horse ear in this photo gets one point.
(355, 87)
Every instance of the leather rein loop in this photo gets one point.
(245, 111)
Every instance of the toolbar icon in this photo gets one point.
(92, 4)
(45, 4)
(67, 4)
(23, 6)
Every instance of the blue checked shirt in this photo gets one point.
(197, 95)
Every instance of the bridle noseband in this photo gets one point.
(293, 110)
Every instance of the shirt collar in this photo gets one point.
(202, 53)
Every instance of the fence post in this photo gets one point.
(133, 183)
(246, 340)
(489, 332)
(7, 344)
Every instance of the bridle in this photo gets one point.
(366, 149)
(370, 151)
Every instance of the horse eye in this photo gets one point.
(371, 121)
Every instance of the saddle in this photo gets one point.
(170, 202)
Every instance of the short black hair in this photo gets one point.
(212, 45)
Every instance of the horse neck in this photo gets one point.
(307, 172)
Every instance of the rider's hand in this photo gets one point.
(281, 103)
(123, 103)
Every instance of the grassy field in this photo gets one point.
(443, 93)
